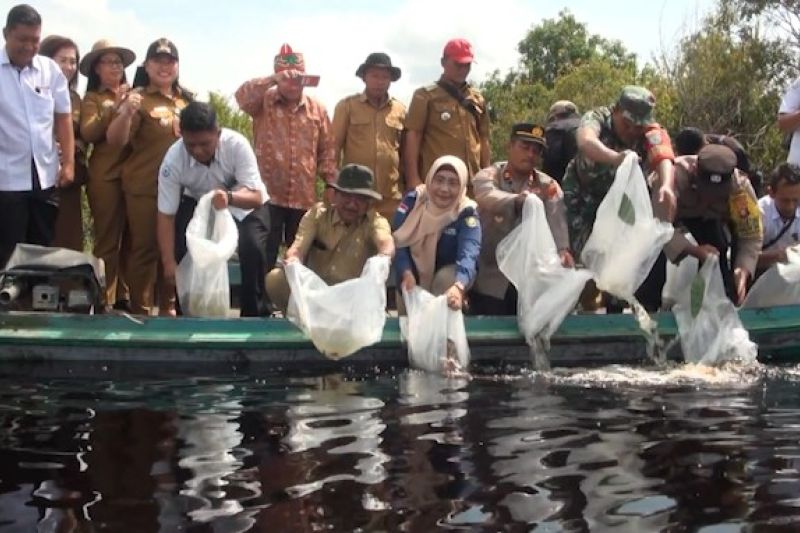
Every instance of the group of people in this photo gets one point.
(416, 184)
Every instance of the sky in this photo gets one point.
(223, 44)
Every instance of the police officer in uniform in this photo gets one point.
(500, 191)
(717, 205)
(447, 118)
(148, 120)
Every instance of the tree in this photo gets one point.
(781, 14)
(557, 46)
(727, 78)
(230, 117)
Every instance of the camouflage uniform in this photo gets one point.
(586, 182)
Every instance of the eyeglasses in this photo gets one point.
(112, 62)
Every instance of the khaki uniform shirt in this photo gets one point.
(738, 211)
(153, 130)
(495, 192)
(447, 127)
(335, 251)
(97, 110)
(371, 137)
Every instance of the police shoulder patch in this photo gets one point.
(165, 172)
(471, 221)
(403, 208)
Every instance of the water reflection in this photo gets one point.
(611, 449)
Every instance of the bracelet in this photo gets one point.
(229, 194)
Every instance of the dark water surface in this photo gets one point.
(616, 449)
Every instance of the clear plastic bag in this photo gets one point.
(626, 238)
(779, 285)
(202, 275)
(679, 277)
(709, 327)
(547, 291)
(343, 318)
(435, 332)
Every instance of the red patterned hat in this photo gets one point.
(288, 59)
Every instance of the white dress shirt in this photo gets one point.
(29, 98)
(233, 167)
(773, 224)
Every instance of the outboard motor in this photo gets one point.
(41, 278)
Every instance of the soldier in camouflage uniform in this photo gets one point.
(605, 136)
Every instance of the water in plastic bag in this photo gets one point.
(779, 285)
(437, 340)
(546, 290)
(202, 275)
(626, 238)
(708, 324)
(343, 318)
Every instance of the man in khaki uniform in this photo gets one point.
(335, 242)
(717, 205)
(368, 128)
(448, 117)
(500, 191)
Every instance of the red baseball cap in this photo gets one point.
(459, 50)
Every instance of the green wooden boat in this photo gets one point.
(581, 340)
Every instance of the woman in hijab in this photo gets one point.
(437, 234)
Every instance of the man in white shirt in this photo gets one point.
(789, 120)
(780, 215)
(35, 124)
(210, 158)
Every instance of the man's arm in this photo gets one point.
(789, 122)
(772, 257)
(250, 95)
(65, 136)
(413, 141)
(382, 237)
(341, 121)
(589, 146)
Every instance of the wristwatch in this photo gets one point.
(229, 194)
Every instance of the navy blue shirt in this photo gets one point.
(459, 243)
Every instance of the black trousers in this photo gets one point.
(704, 231)
(27, 217)
(284, 222)
(253, 236)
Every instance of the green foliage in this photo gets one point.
(728, 77)
(229, 116)
(556, 46)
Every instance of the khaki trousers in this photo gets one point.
(107, 203)
(143, 261)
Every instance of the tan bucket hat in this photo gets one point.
(101, 47)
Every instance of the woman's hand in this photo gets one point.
(455, 296)
(408, 281)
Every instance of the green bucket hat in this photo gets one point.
(356, 179)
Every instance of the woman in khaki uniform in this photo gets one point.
(69, 227)
(105, 66)
(147, 119)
